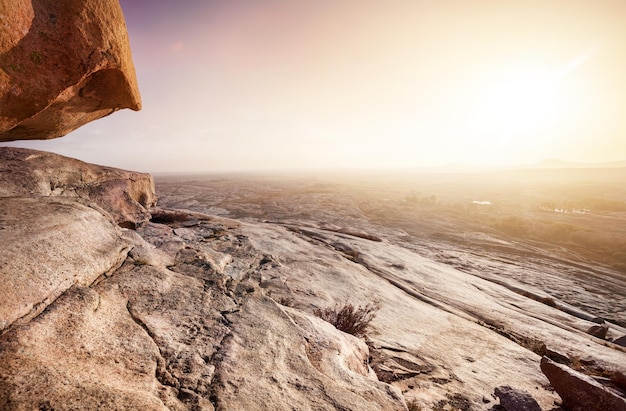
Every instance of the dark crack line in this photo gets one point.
(215, 359)
(41, 306)
(38, 309)
(161, 372)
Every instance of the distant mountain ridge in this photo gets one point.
(557, 163)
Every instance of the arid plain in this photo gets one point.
(536, 256)
(559, 232)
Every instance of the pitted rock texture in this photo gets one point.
(126, 195)
(46, 246)
(62, 64)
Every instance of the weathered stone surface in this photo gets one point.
(84, 353)
(281, 359)
(512, 399)
(46, 246)
(62, 64)
(126, 195)
(151, 338)
(580, 392)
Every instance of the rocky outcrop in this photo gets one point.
(186, 337)
(59, 226)
(126, 196)
(296, 361)
(211, 313)
(62, 64)
(579, 391)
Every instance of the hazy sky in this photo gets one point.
(270, 84)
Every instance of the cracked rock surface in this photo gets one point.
(194, 311)
(46, 246)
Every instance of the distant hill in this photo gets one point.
(556, 163)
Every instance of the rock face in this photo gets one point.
(185, 337)
(59, 226)
(48, 245)
(126, 195)
(62, 64)
(580, 392)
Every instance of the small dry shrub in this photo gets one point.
(350, 319)
(140, 261)
(413, 405)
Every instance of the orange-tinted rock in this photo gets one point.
(62, 64)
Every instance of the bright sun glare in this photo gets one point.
(521, 102)
(514, 109)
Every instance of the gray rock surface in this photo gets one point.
(512, 399)
(126, 195)
(184, 338)
(579, 391)
(81, 54)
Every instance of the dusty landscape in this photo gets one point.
(559, 232)
(501, 290)
(533, 255)
(215, 298)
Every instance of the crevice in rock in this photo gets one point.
(215, 360)
(124, 251)
(161, 372)
(35, 312)
(42, 305)
(392, 364)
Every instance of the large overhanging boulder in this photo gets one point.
(63, 63)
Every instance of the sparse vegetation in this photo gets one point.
(350, 319)
(140, 261)
(413, 405)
